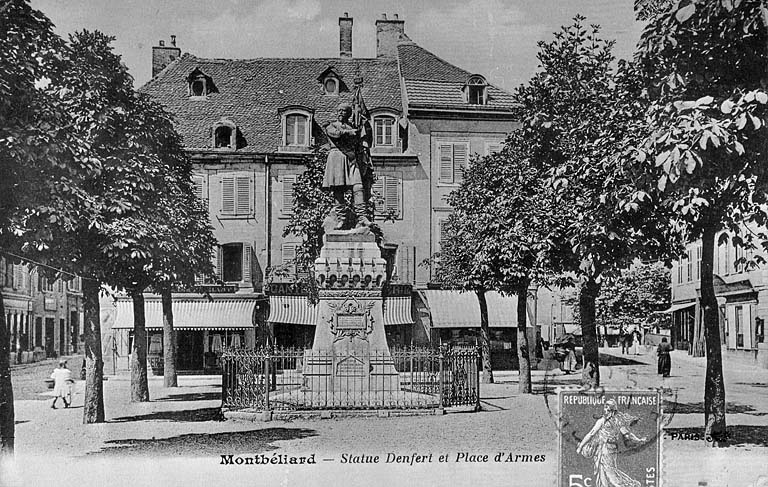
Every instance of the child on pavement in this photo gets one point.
(62, 384)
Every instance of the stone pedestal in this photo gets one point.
(350, 359)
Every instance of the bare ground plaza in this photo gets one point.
(180, 436)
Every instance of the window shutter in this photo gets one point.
(247, 250)
(446, 163)
(197, 187)
(459, 161)
(392, 191)
(379, 195)
(289, 253)
(218, 264)
(288, 182)
(243, 196)
(443, 231)
(228, 195)
(492, 148)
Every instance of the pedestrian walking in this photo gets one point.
(625, 339)
(665, 361)
(637, 338)
(62, 384)
(568, 354)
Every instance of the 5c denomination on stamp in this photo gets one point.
(609, 438)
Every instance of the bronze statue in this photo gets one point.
(348, 166)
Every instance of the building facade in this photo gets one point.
(44, 316)
(248, 124)
(742, 296)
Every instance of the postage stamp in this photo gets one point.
(610, 438)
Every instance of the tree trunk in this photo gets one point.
(169, 339)
(139, 384)
(523, 355)
(714, 385)
(485, 338)
(588, 292)
(93, 404)
(7, 417)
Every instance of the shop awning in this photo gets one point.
(454, 309)
(220, 313)
(678, 307)
(297, 310)
(397, 311)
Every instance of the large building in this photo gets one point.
(248, 124)
(742, 296)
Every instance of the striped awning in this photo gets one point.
(455, 309)
(397, 311)
(221, 313)
(297, 310)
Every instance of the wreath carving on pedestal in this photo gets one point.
(350, 319)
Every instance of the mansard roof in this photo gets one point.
(432, 82)
(252, 91)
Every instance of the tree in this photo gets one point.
(704, 145)
(496, 238)
(576, 110)
(635, 296)
(38, 171)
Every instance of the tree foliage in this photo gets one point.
(704, 148)
(634, 297)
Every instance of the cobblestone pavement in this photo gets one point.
(179, 437)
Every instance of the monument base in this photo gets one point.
(350, 356)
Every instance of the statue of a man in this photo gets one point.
(347, 167)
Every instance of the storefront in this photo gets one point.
(455, 319)
(204, 326)
(292, 320)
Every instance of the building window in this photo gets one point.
(384, 131)
(234, 262)
(476, 90)
(237, 195)
(680, 271)
(288, 251)
(225, 135)
(8, 273)
(738, 324)
(453, 160)
(296, 130)
(493, 147)
(197, 87)
(698, 263)
(331, 86)
(443, 229)
(387, 194)
(689, 265)
(198, 188)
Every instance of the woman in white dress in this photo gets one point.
(62, 384)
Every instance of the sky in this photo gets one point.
(495, 38)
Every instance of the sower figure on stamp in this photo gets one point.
(349, 165)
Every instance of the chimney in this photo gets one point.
(345, 36)
(388, 34)
(163, 55)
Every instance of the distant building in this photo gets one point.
(742, 297)
(44, 316)
(248, 123)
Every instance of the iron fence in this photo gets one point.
(400, 378)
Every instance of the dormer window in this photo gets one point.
(330, 79)
(200, 84)
(297, 129)
(331, 86)
(388, 134)
(384, 131)
(225, 135)
(476, 90)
